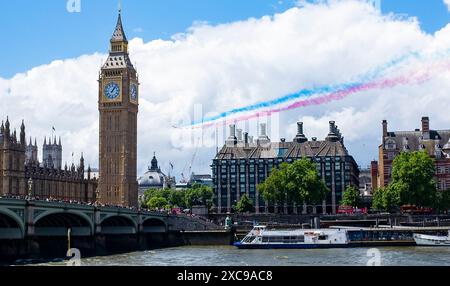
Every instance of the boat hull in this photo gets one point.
(289, 246)
(429, 240)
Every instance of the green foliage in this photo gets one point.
(176, 199)
(413, 183)
(351, 197)
(377, 199)
(198, 195)
(413, 179)
(275, 186)
(442, 201)
(169, 198)
(245, 204)
(385, 199)
(157, 203)
(295, 183)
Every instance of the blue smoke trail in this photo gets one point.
(371, 75)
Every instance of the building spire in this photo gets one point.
(119, 34)
(7, 125)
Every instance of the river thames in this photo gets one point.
(230, 256)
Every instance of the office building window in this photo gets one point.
(252, 191)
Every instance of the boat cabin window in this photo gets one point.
(323, 237)
(249, 239)
(283, 239)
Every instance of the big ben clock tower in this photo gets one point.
(118, 106)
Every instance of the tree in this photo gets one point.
(245, 204)
(199, 195)
(413, 179)
(177, 199)
(294, 183)
(157, 203)
(442, 201)
(305, 184)
(377, 199)
(386, 199)
(274, 188)
(351, 197)
(148, 194)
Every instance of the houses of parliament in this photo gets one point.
(21, 174)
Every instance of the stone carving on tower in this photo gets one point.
(118, 108)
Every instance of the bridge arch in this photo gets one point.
(118, 224)
(56, 223)
(12, 225)
(154, 225)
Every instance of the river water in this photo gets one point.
(231, 256)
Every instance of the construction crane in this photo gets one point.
(191, 163)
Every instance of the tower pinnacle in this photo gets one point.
(119, 34)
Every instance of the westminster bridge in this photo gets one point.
(41, 228)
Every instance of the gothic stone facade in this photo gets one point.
(435, 142)
(118, 108)
(20, 177)
(12, 160)
(241, 165)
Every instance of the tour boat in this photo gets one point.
(432, 240)
(262, 238)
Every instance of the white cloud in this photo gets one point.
(447, 2)
(236, 64)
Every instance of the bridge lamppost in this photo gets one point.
(97, 196)
(30, 188)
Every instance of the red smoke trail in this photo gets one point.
(415, 77)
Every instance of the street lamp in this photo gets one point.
(30, 188)
(97, 195)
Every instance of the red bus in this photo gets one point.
(412, 209)
(351, 210)
(177, 211)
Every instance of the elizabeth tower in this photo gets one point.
(118, 107)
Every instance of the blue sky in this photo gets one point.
(38, 32)
(219, 68)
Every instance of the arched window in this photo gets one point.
(390, 144)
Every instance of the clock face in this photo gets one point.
(112, 90)
(133, 92)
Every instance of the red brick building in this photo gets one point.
(435, 142)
